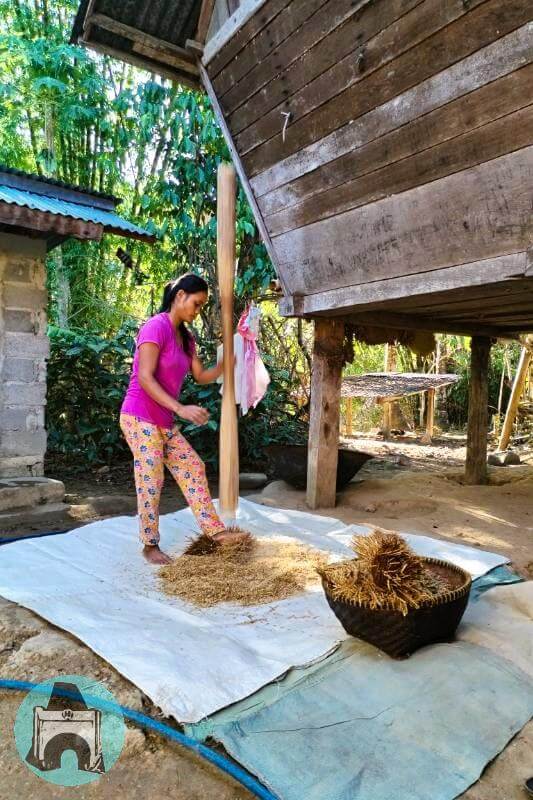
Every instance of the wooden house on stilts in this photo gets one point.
(386, 147)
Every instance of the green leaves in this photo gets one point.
(48, 83)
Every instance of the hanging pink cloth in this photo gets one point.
(255, 378)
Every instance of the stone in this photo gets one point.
(29, 492)
(107, 505)
(25, 419)
(24, 296)
(19, 321)
(24, 394)
(26, 345)
(503, 458)
(19, 270)
(21, 443)
(22, 466)
(18, 623)
(252, 480)
(22, 370)
(48, 517)
(134, 743)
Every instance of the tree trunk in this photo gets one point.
(478, 412)
(63, 288)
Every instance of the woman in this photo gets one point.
(165, 353)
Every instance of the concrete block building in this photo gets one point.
(36, 214)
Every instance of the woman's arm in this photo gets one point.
(202, 375)
(148, 358)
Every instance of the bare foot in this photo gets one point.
(154, 555)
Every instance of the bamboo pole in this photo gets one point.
(229, 443)
(478, 415)
(390, 366)
(516, 393)
(349, 416)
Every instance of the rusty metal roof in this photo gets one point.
(63, 200)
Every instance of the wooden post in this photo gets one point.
(516, 393)
(387, 415)
(389, 366)
(229, 442)
(349, 415)
(323, 449)
(478, 414)
(430, 419)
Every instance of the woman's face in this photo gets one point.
(189, 305)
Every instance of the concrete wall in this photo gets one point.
(24, 348)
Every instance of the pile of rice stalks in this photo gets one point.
(260, 572)
(386, 574)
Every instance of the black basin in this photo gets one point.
(289, 462)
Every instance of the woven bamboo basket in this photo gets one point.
(397, 635)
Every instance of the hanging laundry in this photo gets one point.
(251, 376)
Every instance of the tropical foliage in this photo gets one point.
(93, 121)
(70, 114)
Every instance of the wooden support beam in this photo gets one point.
(180, 57)
(389, 366)
(349, 415)
(229, 441)
(165, 57)
(195, 48)
(478, 414)
(206, 12)
(400, 321)
(518, 387)
(325, 404)
(234, 23)
(141, 62)
(476, 274)
(386, 424)
(430, 419)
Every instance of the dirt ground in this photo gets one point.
(408, 486)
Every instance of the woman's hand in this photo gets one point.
(195, 414)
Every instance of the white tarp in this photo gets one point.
(94, 583)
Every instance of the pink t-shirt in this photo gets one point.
(172, 367)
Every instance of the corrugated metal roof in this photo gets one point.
(172, 21)
(87, 213)
(56, 182)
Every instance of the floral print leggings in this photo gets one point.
(154, 448)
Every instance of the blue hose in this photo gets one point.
(144, 721)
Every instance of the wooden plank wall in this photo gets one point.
(223, 9)
(409, 146)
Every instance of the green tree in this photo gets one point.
(86, 119)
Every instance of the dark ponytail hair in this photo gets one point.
(191, 284)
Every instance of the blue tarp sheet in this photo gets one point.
(361, 726)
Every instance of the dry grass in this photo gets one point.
(386, 574)
(203, 544)
(262, 572)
